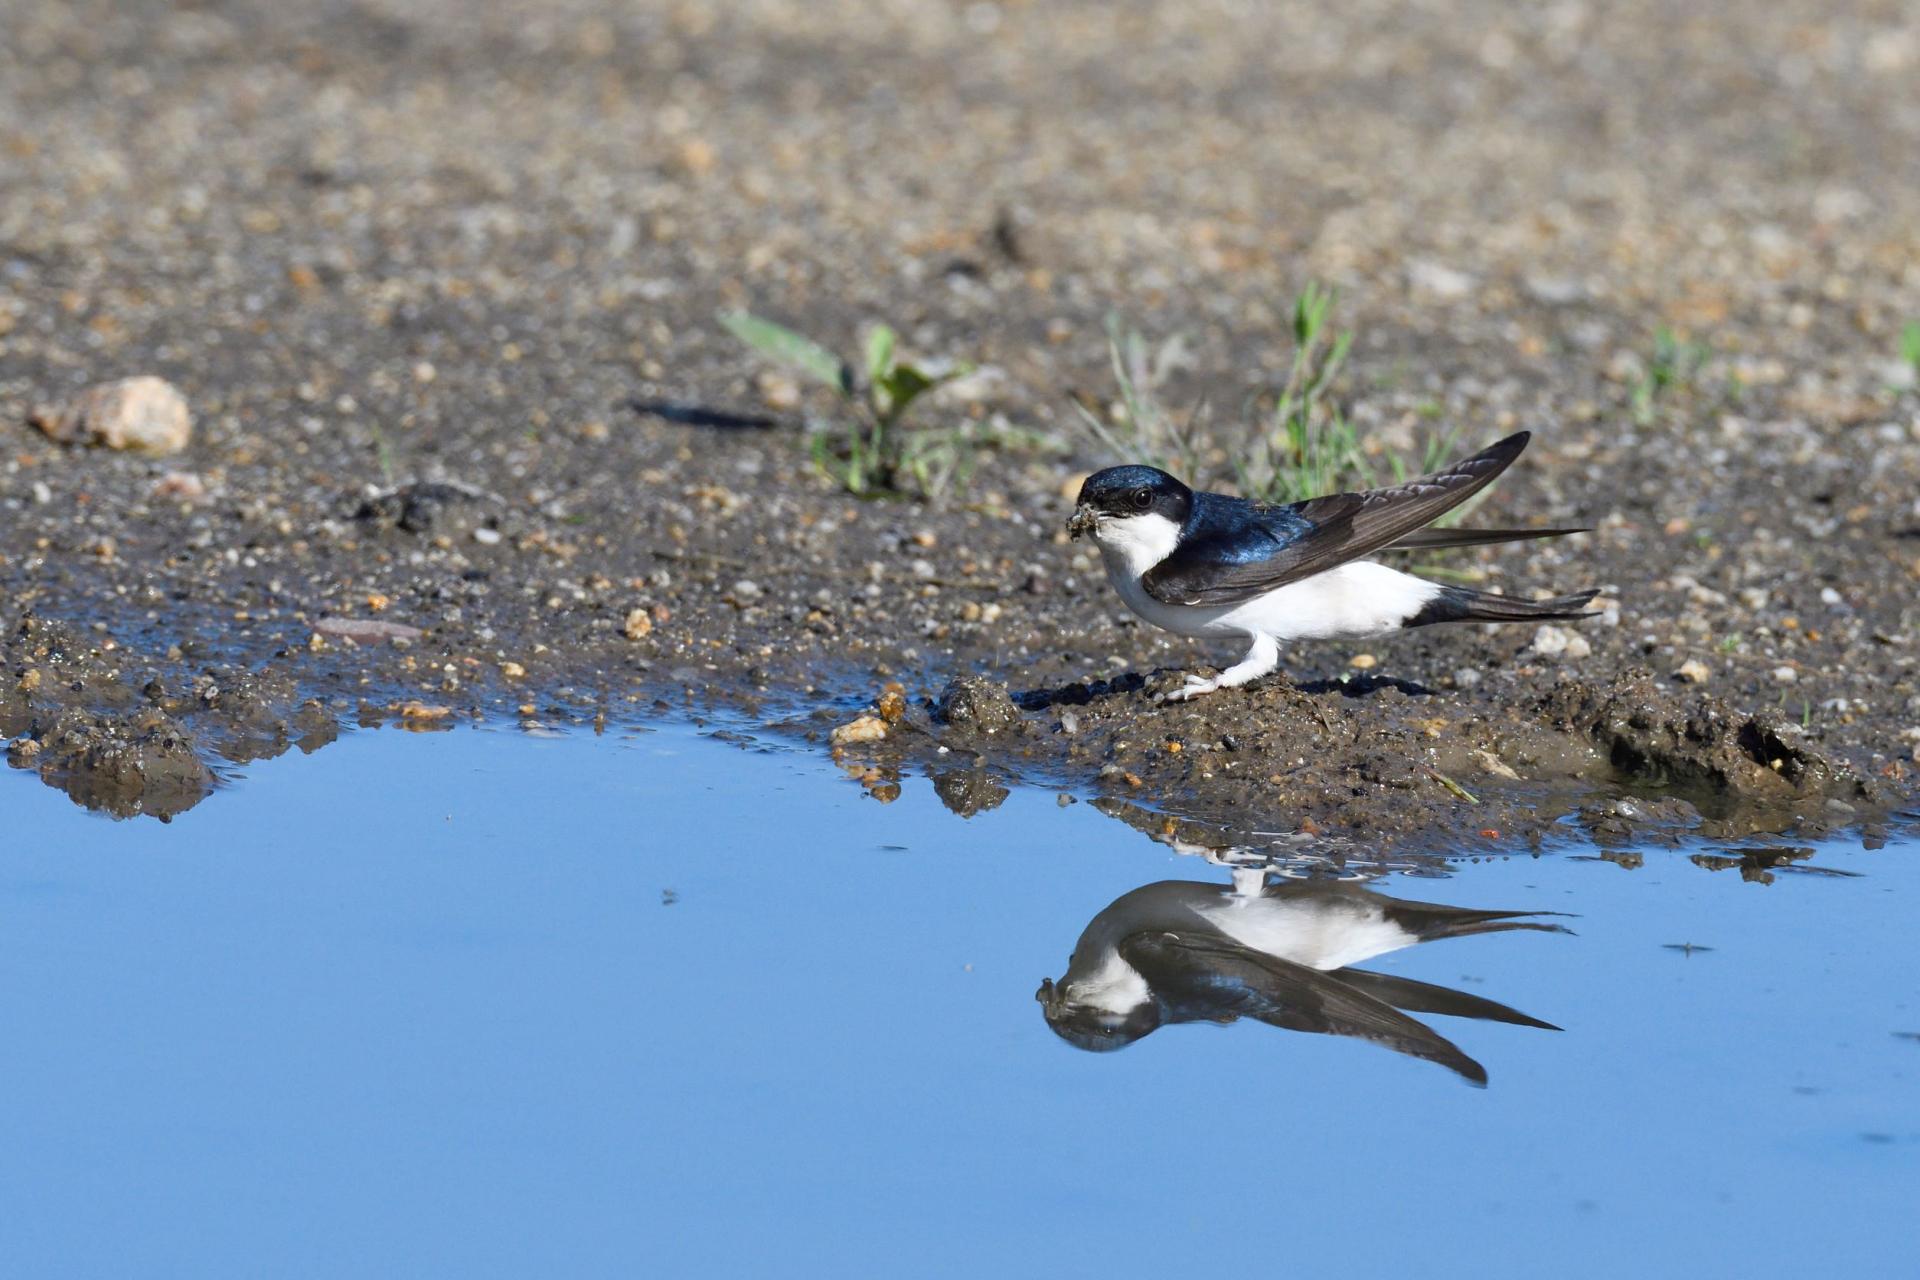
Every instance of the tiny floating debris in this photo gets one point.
(1685, 948)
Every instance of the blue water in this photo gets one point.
(482, 1004)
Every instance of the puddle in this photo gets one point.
(490, 1004)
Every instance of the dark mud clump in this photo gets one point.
(126, 736)
(969, 791)
(428, 507)
(1736, 768)
(145, 764)
(977, 705)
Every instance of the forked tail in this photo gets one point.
(1463, 604)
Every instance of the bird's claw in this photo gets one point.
(1196, 686)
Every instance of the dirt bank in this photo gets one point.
(414, 267)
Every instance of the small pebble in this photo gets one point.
(182, 485)
(777, 390)
(486, 537)
(1785, 675)
(1694, 671)
(1363, 662)
(864, 729)
(1558, 642)
(638, 625)
(146, 414)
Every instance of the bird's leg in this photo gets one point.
(1263, 657)
(1250, 882)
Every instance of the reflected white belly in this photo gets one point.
(1319, 937)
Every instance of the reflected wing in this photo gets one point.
(1249, 557)
(1424, 997)
(1205, 976)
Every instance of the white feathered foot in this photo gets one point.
(1261, 659)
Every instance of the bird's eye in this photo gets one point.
(1142, 498)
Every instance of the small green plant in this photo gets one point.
(383, 454)
(1729, 643)
(1310, 447)
(1673, 366)
(1304, 447)
(1910, 347)
(872, 454)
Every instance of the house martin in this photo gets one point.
(1279, 953)
(1206, 564)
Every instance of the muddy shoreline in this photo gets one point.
(439, 286)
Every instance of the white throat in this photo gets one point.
(1115, 987)
(1134, 544)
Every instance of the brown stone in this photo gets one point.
(147, 414)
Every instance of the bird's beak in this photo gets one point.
(1084, 520)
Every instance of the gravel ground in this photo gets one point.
(426, 273)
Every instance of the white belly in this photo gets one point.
(1360, 598)
(1319, 937)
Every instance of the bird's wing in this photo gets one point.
(1205, 976)
(1244, 559)
(1434, 539)
(1425, 997)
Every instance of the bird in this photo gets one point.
(1274, 950)
(1209, 564)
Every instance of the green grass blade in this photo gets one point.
(796, 351)
(880, 344)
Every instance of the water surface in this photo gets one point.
(486, 1004)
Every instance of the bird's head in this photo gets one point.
(1091, 1027)
(1118, 497)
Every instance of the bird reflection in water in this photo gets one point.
(1274, 950)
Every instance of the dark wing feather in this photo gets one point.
(1208, 977)
(1432, 539)
(1424, 997)
(1241, 561)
